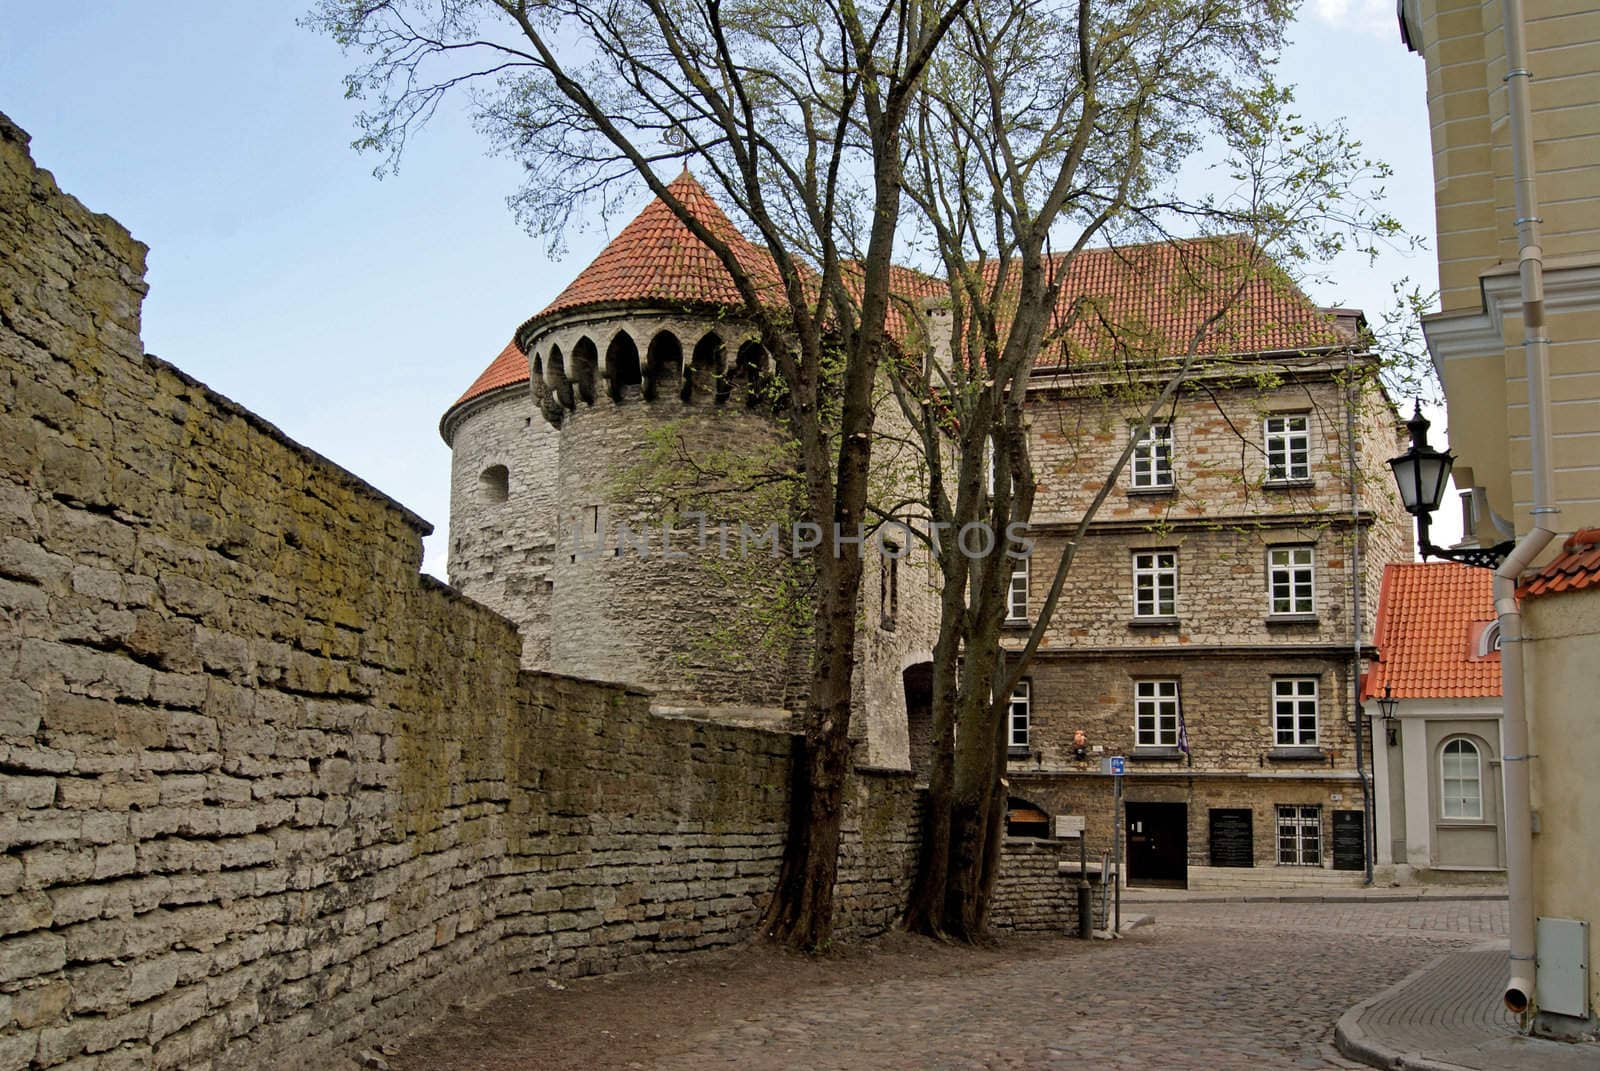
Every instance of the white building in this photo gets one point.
(1440, 811)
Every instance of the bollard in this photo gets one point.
(1085, 910)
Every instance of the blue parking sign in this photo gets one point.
(1119, 766)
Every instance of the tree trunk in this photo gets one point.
(925, 913)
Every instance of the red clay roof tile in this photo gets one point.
(1575, 568)
(511, 366)
(1431, 618)
(657, 259)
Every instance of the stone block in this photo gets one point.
(31, 955)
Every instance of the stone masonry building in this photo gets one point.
(1214, 624)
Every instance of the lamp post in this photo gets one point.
(1386, 707)
(1421, 474)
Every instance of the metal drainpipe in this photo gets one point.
(1368, 832)
(1520, 995)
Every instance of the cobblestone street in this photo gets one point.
(1207, 986)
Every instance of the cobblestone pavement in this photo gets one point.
(1207, 986)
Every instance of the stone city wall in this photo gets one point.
(265, 788)
(1031, 893)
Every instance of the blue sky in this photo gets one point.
(351, 311)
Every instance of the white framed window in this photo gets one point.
(1019, 717)
(1017, 593)
(1155, 583)
(1288, 447)
(1152, 458)
(1294, 711)
(1299, 835)
(1155, 713)
(1291, 580)
(1461, 779)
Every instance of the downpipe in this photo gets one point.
(1521, 995)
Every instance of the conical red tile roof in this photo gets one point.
(1431, 620)
(511, 366)
(657, 259)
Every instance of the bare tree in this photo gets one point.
(795, 112)
(1041, 128)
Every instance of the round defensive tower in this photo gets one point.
(503, 461)
(639, 378)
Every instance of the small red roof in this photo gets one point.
(1431, 624)
(1578, 567)
(511, 366)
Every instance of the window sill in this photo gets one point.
(1153, 622)
(1297, 754)
(1016, 624)
(1293, 619)
(1153, 492)
(1465, 823)
(1018, 754)
(1154, 751)
(1288, 485)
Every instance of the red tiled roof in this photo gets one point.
(656, 259)
(1157, 293)
(1161, 293)
(1430, 620)
(511, 366)
(1577, 568)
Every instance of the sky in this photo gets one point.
(351, 311)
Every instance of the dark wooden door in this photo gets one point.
(1158, 843)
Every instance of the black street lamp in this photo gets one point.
(1386, 707)
(1421, 474)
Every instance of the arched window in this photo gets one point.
(558, 378)
(585, 362)
(663, 366)
(1026, 819)
(749, 370)
(1461, 779)
(705, 377)
(622, 365)
(1488, 640)
(494, 484)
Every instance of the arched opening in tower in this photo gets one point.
(542, 396)
(705, 379)
(585, 368)
(663, 366)
(750, 371)
(558, 378)
(622, 365)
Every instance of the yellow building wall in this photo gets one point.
(1563, 679)
(1476, 338)
(1476, 343)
